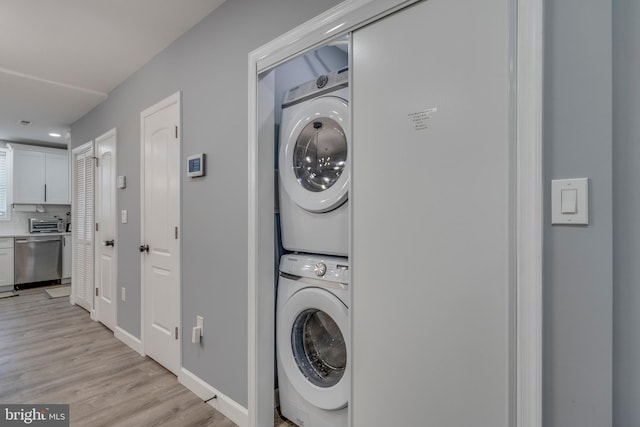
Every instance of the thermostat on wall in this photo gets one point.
(195, 165)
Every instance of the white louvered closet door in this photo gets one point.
(4, 184)
(82, 226)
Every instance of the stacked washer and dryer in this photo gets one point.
(312, 312)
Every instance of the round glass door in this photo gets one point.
(314, 149)
(312, 337)
(319, 348)
(320, 154)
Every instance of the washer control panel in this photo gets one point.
(332, 269)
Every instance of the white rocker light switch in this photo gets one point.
(570, 201)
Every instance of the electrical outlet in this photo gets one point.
(123, 294)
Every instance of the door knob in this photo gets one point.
(143, 248)
(109, 242)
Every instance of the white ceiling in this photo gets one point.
(61, 58)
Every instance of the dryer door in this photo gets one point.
(312, 345)
(314, 170)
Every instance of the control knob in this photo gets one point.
(322, 81)
(320, 269)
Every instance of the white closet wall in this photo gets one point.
(432, 218)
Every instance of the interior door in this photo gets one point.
(106, 270)
(160, 234)
(82, 226)
(432, 217)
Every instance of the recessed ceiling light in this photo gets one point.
(55, 135)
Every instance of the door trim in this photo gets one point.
(529, 212)
(111, 133)
(527, 301)
(176, 98)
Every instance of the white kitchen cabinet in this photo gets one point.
(57, 178)
(28, 176)
(40, 176)
(6, 264)
(66, 259)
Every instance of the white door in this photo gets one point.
(432, 225)
(106, 272)
(82, 226)
(160, 182)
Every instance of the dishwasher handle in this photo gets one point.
(53, 239)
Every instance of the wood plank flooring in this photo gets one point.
(52, 352)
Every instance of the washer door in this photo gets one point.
(314, 170)
(312, 345)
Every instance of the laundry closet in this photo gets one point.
(312, 128)
(415, 317)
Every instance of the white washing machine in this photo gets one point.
(314, 169)
(312, 336)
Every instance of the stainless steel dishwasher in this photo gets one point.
(37, 259)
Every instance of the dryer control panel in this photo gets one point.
(322, 84)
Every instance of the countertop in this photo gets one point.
(14, 234)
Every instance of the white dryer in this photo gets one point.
(312, 336)
(314, 169)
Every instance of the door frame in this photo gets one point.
(176, 98)
(526, 122)
(113, 132)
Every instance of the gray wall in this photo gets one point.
(578, 260)
(626, 211)
(209, 65)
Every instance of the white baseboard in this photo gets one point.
(129, 340)
(93, 315)
(222, 403)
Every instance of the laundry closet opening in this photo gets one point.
(436, 202)
(310, 127)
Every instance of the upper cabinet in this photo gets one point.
(57, 178)
(40, 176)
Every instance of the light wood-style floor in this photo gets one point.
(52, 352)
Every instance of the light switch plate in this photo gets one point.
(124, 216)
(568, 195)
(200, 323)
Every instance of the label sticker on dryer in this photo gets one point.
(420, 119)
